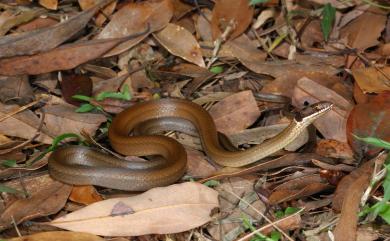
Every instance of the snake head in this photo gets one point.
(310, 113)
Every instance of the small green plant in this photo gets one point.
(286, 212)
(216, 69)
(254, 2)
(124, 94)
(9, 163)
(10, 190)
(381, 208)
(274, 236)
(212, 183)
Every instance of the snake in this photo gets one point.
(80, 165)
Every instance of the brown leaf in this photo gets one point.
(364, 31)
(369, 119)
(235, 113)
(102, 16)
(333, 124)
(299, 189)
(162, 210)
(75, 85)
(246, 51)
(16, 89)
(49, 4)
(178, 41)
(372, 80)
(46, 38)
(36, 24)
(62, 119)
(347, 199)
(23, 124)
(240, 12)
(18, 19)
(134, 18)
(84, 195)
(197, 165)
(46, 196)
(334, 149)
(59, 236)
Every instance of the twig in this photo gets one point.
(218, 43)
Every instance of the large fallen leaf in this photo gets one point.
(134, 18)
(62, 58)
(372, 80)
(237, 12)
(46, 196)
(162, 210)
(17, 89)
(235, 113)
(59, 236)
(46, 38)
(369, 120)
(61, 119)
(180, 42)
(24, 124)
(364, 31)
(246, 51)
(333, 124)
(18, 19)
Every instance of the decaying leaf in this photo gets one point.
(15, 90)
(235, 113)
(134, 18)
(46, 196)
(162, 210)
(180, 42)
(236, 13)
(24, 124)
(46, 38)
(59, 236)
(62, 119)
(62, 58)
(372, 80)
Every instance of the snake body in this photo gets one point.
(82, 165)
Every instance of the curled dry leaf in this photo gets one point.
(46, 38)
(24, 124)
(46, 196)
(237, 12)
(162, 210)
(235, 113)
(134, 18)
(61, 119)
(85, 195)
(62, 58)
(59, 236)
(178, 41)
(16, 89)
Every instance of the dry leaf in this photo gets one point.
(235, 113)
(85, 195)
(24, 124)
(62, 119)
(36, 24)
(197, 165)
(102, 16)
(134, 18)
(364, 31)
(62, 58)
(162, 210)
(49, 4)
(16, 89)
(372, 80)
(46, 196)
(334, 149)
(333, 124)
(15, 20)
(239, 12)
(246, 51)
(59, 236)
(45, 38)
(178, 41)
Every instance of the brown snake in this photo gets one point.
(82, 165)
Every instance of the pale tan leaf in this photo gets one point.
(49, 4)
(24, 124)
(162, 210)
(134, 18)
(178, 41)
(235, 113)
(63, 119)
(59, 236)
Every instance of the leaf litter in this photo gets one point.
(227, 56)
